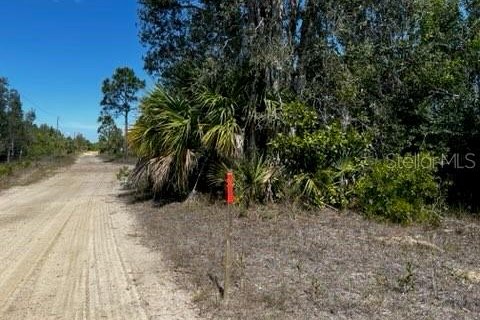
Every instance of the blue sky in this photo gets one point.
(56, 53)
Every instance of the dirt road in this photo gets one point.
(69, 250)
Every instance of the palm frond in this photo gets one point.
(254, 179)
(167, 133)
(159, 171)
(221, 130)
(225, 138)
(308, 189)
(216, 174)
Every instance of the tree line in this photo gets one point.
(21, 138)
(312, 101)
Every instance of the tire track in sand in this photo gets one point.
(65, 253)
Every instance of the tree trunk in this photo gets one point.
(10, 153)
(307, 33)
(125, 146)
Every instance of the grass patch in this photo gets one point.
(297, 266)
(22, 173)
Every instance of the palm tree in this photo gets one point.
(173, 133)
(166, 137)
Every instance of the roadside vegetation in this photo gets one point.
(322, 110)
(28, 150)
(321, 105)
(30, 171)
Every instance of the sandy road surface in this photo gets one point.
(68, 250)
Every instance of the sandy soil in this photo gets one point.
(288, 264)
(69, 250)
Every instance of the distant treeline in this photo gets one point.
(21, 138)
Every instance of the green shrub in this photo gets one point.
(332, 186)
(8, 169)
(256, 179)
(322, 161)
(321, 148)
(26, 164)
(5, 170)
(123, 175)
(401, 190)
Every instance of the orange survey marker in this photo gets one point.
(229, 190)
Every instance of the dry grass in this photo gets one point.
(331, 265)
(35, 171)
(118, 158)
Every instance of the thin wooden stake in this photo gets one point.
(228, 256)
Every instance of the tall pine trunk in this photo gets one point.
(125, 145)
(10, 152)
